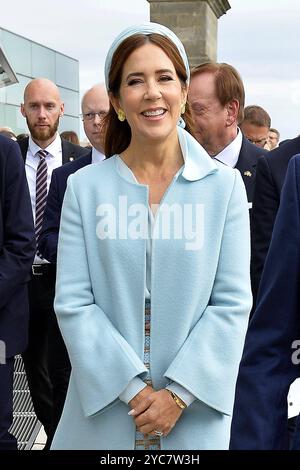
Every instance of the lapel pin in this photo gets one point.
(248, 173)
(71, 159)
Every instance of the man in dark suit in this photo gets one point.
(270, 174)
(17, 248)
(217, 97)
(95, 105)
(43, 151)
(271, 358)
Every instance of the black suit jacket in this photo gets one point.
(246, 164)
(49, 236)
(270, 361)
(69, 151)
(17, 248)
(270, 174)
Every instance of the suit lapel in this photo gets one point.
(67, 152)
(23, 144)
(246, 164)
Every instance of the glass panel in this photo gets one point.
(69, 123)
(15, 93)
(2, 118)
(14, 119)
(18, 52)
(3, 94)
(43, 62)
(67, 72)
(71, 100)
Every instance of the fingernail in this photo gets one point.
(131, 412)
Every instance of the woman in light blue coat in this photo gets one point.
(153, 290)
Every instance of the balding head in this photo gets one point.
(42, 109)
(38, 84)
(95, 106)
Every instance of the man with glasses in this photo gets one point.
(273, 138)
(95, 105)
(256, 126)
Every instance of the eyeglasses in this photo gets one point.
(91, 116)
(260, 142)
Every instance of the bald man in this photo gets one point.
(42, 109)
(95, 106)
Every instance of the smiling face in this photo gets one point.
(210, 116)
(151, 95)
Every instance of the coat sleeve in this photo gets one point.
(48, 238)
(17, 253)
(210, 356)
(96, 349)
(267, 368)
(265, 206)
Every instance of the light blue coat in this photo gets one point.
(200, 301)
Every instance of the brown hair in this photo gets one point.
(257, 116)
(70, 136)
(272, 129)
(228, 82)
(118, 134)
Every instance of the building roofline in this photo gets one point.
(38, 43)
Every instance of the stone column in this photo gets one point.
(194, 21)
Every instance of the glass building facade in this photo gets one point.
(29, 60)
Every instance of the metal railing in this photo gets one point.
(25, 425)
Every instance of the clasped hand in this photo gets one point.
(154, 411)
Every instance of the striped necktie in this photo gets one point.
(41, 191)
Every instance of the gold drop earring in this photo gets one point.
(182, 110)
(121, 115)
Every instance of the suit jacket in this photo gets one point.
(100, 300)
(271, 355)
(49, 235)
(270, 174)
(246, 164)
(17, 247)
(69, 151)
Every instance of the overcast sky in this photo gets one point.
(261, 38)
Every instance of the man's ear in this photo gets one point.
(232, 111)
(62, 109)
(22, 109)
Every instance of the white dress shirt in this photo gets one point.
(97, 157)
(230, 154)
(53, 159)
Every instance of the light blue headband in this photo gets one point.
(145, 28)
